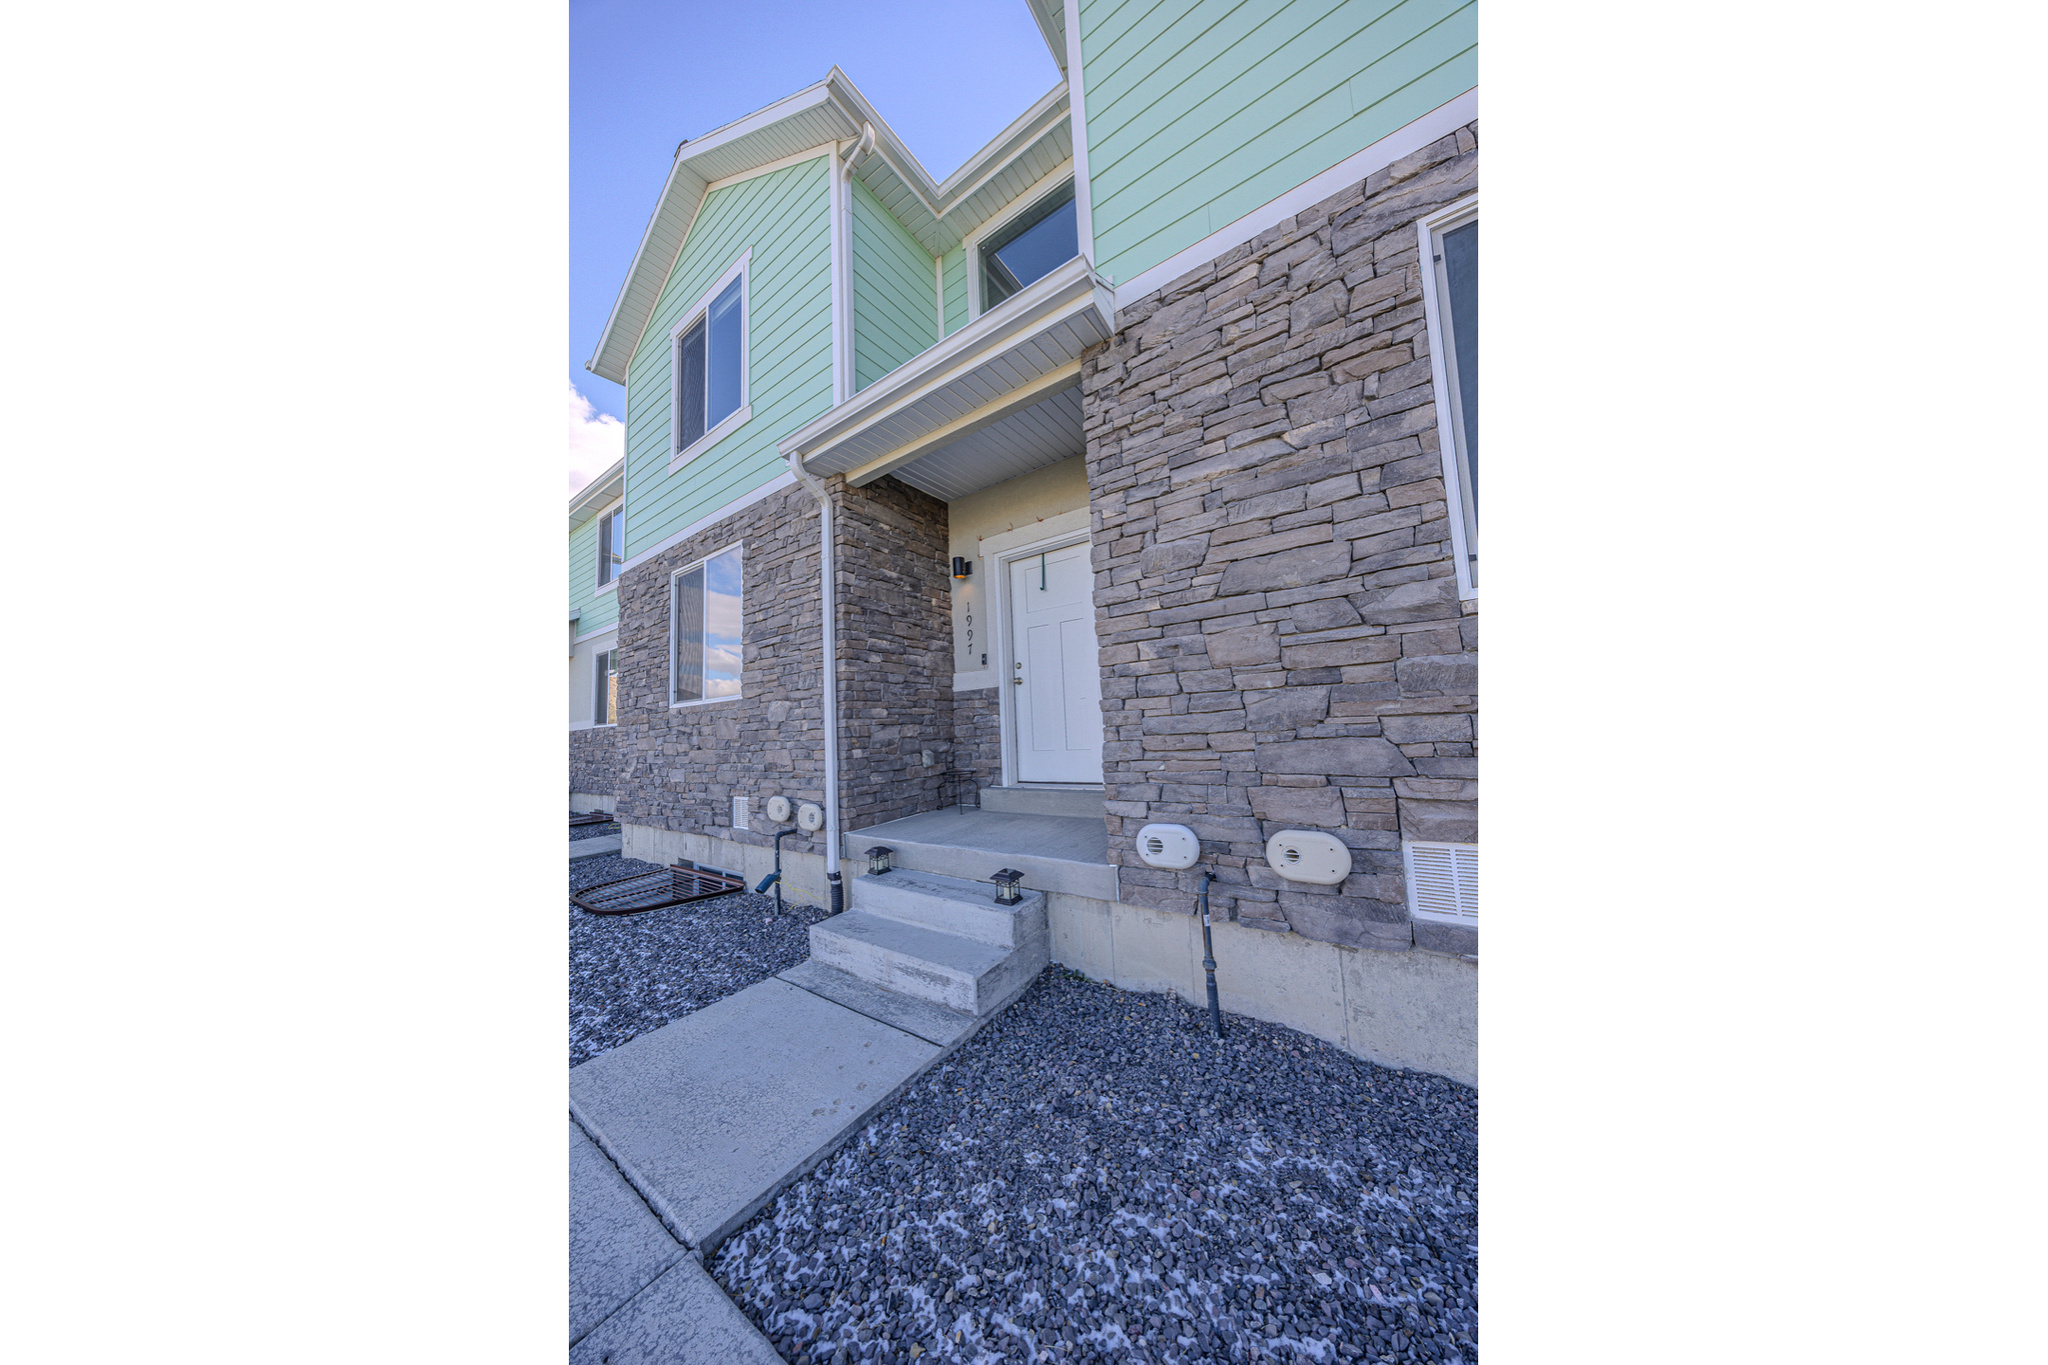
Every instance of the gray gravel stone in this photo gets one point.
(1092, 1178)
(630, 974)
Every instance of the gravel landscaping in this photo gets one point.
(1092, 1178)
(630, 974)
(593, 831)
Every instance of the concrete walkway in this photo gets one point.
(601, 846)
(681, 1135)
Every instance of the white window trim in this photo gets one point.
(1426, 231)
(606, 586)
(674, 574)
(595, 694)
(972, 241)
(740, 270)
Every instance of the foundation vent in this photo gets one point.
(739, 813)
(1443, 882)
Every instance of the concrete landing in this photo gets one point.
(1066, 853)
(683, 1318)
(709, 1116)
(617, 1247)
(602, 846)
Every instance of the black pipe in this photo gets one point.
(838, 892)
(1209, 958)
(775, 879)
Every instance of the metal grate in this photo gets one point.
(656, 890)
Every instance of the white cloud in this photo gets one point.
(596, 440)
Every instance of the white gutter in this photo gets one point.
(829, 679)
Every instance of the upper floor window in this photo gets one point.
(704, 630)
(1029, 246)
(709, 385)
(611, 544)
(1450, 250)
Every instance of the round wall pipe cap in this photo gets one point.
(778, 809)
(1309, 855)
(810, 816)
(1171, 846)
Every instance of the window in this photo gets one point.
(704, 630)
(1450, 243)
(1029, 246)
(710, 364)
(605, 709)
(611, 544)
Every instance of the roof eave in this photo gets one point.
(599, 491)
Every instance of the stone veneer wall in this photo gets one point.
(978, 739)
(1282, 639)
(594, 761)
(678, 769)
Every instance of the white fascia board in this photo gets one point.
(606, 487)
(1439, 122)
(1016, 319)
(710, 519)
(612, 629)
(1023, 133)
(1052, 26)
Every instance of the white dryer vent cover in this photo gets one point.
(1443, 882)
(1173, 846)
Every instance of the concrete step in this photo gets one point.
(920, 1018)
(951, 905)
(1078, 801)
(1054, 852)
(960, 973)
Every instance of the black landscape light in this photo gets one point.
(962, 568)
(1007, 890)
(878, 860)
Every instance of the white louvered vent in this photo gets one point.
(739, 813)
(1443, 882)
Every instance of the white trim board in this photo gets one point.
(1077, 118)
(1059, 525)
(1442, 121)
(612, 629)
(710, 519)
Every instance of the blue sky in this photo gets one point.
(643, 76)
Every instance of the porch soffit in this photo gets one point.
(938, 214)
(980, 401)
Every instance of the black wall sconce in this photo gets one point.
(962, 568)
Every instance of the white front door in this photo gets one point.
(1055, 682)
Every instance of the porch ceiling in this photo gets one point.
(998, 398)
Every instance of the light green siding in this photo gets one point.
(594, 610)
(957, 285)
(1199, 113)
(784, 216)
(895, 291)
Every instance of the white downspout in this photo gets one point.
(828, 643)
